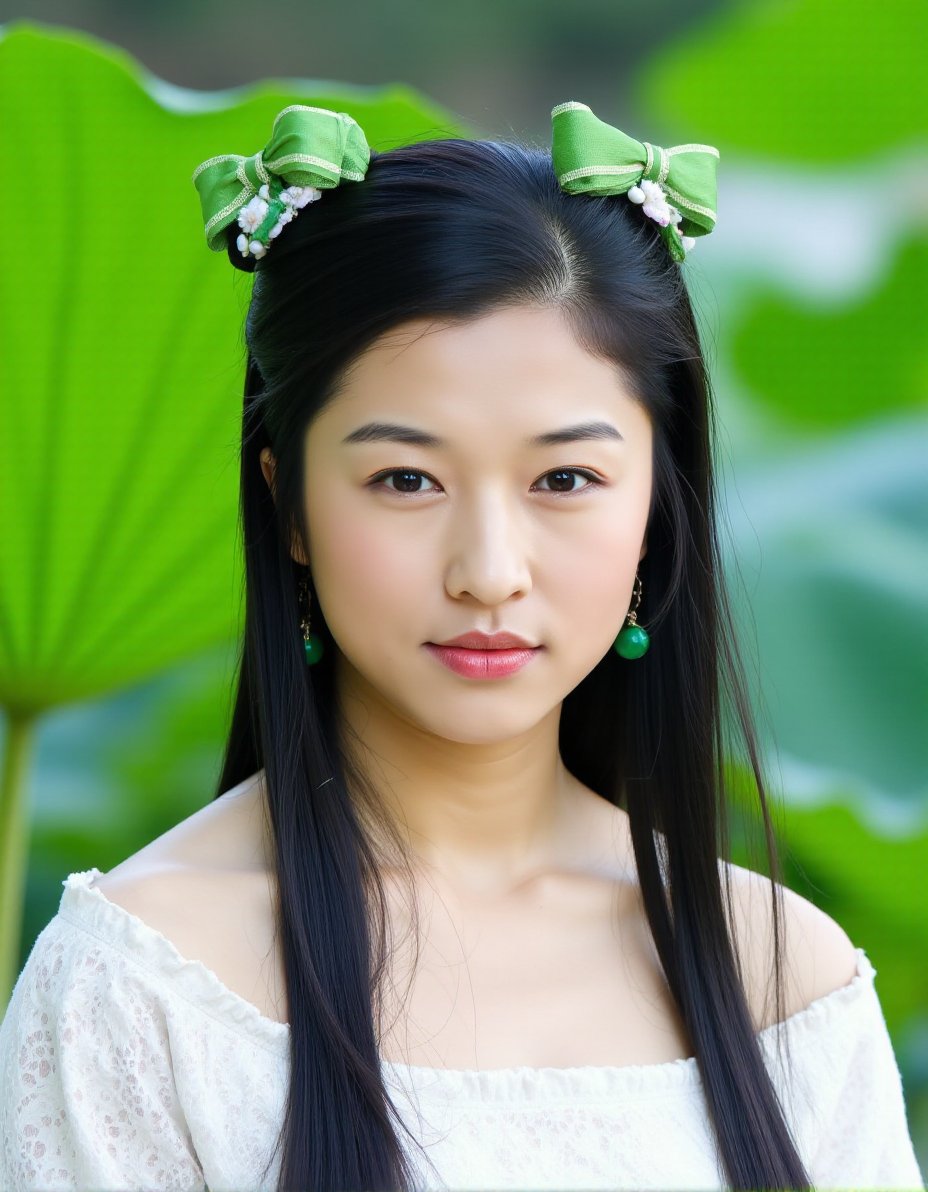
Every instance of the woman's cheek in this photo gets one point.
(592, 594)
(590, 570)
(361, 567)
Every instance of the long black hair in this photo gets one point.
(455, 229)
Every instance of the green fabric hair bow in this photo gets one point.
(310, 150)
(675, 187)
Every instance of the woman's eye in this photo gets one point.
(563, 478)
(407, 481)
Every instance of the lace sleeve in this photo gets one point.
(87, 1092)
(862, 1130)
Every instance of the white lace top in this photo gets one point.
(124, 1065)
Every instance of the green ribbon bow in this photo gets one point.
(676, 186)
(310, 149)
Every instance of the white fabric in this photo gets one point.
(124, 1065)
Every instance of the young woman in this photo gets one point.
(460, 914)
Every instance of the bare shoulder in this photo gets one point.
(204, 886)
(228, 833)
(819, 955)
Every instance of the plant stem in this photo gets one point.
(14, 847)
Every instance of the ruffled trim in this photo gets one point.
(89, 908)
(548, 1086)
(818, 1014)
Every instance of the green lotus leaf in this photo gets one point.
(807, 81)
(122, 362)
(824, 367)
(836, 529)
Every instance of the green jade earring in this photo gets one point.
(633, 640)
(312, 642)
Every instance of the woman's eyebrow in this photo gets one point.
(373, 432)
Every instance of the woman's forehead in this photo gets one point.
(514, 364)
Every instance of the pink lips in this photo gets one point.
(483, 663)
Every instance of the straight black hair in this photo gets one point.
(453, 230)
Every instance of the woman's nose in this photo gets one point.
(489, 553)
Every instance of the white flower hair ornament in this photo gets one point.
(253, 217)
(311, 149)
(675, 187)
(653, 203)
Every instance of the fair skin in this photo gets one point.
(534, 945)
(492, 535)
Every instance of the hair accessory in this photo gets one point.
(633, 640)
(675, 187)
(312, 642)
(310, 150)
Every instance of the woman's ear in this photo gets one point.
(269, 468)
(644, 548)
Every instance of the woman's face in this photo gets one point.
(413, 543)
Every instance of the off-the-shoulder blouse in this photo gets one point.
(124, 1065)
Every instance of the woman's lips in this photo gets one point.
(482, 664)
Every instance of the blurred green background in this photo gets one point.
(121, 373)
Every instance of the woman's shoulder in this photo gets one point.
(819, 957)
(206, 889)
(198, 876)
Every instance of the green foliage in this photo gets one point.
(826, 365)
(835, 535)
(807, 81)
(122, 345)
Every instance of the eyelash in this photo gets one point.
(376, 481)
